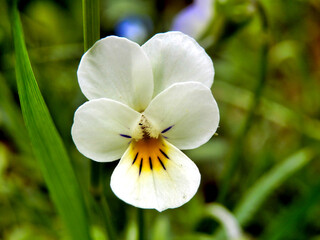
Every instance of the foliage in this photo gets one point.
(262, 168)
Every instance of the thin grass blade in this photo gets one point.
(255, 196)
(46, 142)
(258, 193)
(292, 219)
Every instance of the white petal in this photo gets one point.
(102, 129)
(165, 185)
(176, 57)
(117, 68)
(185, 113)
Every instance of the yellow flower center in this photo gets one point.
(149, 154)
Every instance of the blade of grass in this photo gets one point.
(254, 197)
(287, 223)
(46, 142)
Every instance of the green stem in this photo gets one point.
(91, 33)
(95, 173)
(239, 142)
(142, 225)
(107, 219)
(101, 208)
(91, 22)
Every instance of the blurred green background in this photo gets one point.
(264, 164)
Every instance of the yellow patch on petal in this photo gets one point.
(149, 154)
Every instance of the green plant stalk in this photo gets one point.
(239, 142)
(46, 142)
(108, 220)
(141, 224)
(97, 198)
(91, 33)
(101, 208)
(91, 22)
(95, 183)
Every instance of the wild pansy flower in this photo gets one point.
(194, 19)
(145, 103)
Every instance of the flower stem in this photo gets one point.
(239, 141)
(142, 225)
(95, 187)
(101, 208)
(91, 33)
(107, 219)
(91, 22)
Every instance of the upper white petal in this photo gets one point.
(176, 57)
(97, 127)
(191, 112)
(158, 188)
(117, 68)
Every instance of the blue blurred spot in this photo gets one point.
(135, 28)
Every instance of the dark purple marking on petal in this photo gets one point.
(150, 163)
(164, 154)
(135, 158)
(140, 168)
(167, 129)
(161, 163)
(125, 136)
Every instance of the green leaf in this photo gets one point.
(292, 219)
(254, 197)
(46, 142)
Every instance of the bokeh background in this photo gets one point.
(263, 164)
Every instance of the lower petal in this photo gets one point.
(155, 174)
